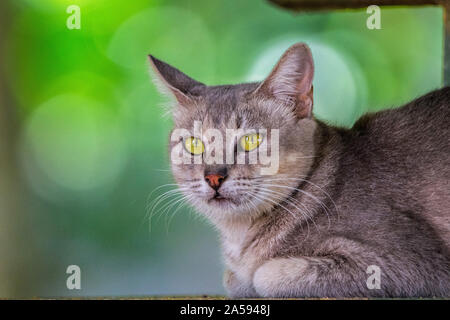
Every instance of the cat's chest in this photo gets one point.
(244, 252)
(240, 260)
(246, 247)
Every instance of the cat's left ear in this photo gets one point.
(174, 82)
(291, 80)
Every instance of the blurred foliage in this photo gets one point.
(92, 144)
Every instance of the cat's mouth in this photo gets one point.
(218, 198)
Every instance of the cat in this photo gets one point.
(344, 205)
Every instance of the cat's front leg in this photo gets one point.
(236, 288)
(280, 277)
(308, 277)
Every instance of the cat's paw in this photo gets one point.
(280, 277)
(236, 288)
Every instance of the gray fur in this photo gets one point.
(344, 199)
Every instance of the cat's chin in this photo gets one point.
(221, 202)
(226, 208)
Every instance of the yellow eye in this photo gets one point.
(251, 141)
(194, 145)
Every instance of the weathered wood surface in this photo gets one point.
(342, 4)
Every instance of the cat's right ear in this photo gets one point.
(171, 81)
(291, 80)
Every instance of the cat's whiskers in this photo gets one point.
(291, 200)
(306, 157)
(162, 170)
(268, 197)
(281, 197)
(297, 178)
(163, 197)
(255, 213)
(260, 197)
(158, 210)
(155, 202)
(168, 206)
(155, 189)
(324, 206)
(182, 202)
(253, 205)
(152, 207)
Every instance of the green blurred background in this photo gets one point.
(83, 140)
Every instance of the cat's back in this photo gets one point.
(423, 123)
(406, 152)
(415, 136)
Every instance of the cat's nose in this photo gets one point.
(215, 180)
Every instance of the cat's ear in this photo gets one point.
(291, 80)
(172, 81)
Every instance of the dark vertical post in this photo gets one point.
(7, 202)
(16, 271)
(447, 44)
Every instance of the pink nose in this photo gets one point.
(214, 180)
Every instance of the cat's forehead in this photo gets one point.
(226, 107)
(221, 106)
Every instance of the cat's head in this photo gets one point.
(238, 150)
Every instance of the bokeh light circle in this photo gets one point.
(190, 47)
(72, 144)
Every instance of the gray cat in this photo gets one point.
(360, 212)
